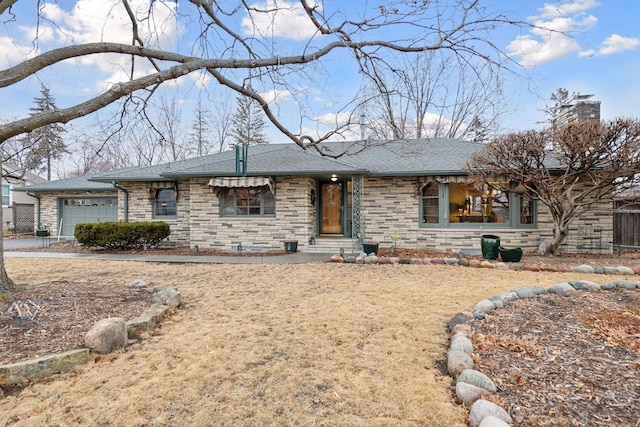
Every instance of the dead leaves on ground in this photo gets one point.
(565, 360)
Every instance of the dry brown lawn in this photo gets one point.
(314, 344)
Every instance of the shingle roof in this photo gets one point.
(80, 183)
(381, 158)
(438, 156)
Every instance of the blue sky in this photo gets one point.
(599, 54)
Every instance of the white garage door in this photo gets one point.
(82, 210)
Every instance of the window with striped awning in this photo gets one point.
(219, 183)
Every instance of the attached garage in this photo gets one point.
(83, 210)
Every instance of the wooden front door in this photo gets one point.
(331, 207)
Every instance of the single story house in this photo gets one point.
(411, 192)
(18, 207)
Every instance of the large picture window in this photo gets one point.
(247, 201)
(164, 205)
(467, 205)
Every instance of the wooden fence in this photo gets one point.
(626, 224)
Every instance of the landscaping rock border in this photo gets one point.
(165, 299)
(372, 259)
(471, 385)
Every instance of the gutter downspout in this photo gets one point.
(126, 199)
(38, 198)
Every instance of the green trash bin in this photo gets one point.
(290, 246)
(490, 246)
(370, 248)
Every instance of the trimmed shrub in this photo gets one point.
(121, 235)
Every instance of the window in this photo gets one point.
(467, 205)
(526, 210)
(6, 195)
(247, 201)
(430, 203)
(164, 205)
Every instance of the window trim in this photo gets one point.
(443, 210)
(265, 190)
(154, 205)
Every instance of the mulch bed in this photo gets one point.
(570, 360)
(54, 317)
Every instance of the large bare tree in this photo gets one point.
(432, 94)
(237, 39)
(568, 169)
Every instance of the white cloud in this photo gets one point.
(276, 18)
(12, 53)
(534, 51)
(616, 43)
(550, 38)
(276, 96)
(568, 8)
(613, 44)
(99, 21)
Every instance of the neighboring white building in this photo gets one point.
(18, 208)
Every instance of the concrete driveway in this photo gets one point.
(29, 242)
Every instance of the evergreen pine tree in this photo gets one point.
(45, 143)
(248, 123)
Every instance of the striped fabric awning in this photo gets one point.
(243, 182)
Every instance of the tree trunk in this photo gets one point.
(7, 287)
(560, 233)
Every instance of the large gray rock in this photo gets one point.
(468, 393)
(608, 286)
(625, 271)
(371, 259)
(477, 378)
(561, 289)
(169, 296)
(511, 296)
(584, 268)
(492, 421)
(577, 285)
(538, 290)
(485, 305)
(589, 285)
(107, 335)
(458, 361)
(497, 301)
(458, 319)
(461, 343)
(625, 284)
(502, 266)
(523, 292)
(482, 409)
(461, 328)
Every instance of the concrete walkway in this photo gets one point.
(295, 258)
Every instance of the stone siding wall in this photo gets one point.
(141, 208)
(392, 207)
(294, 219)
